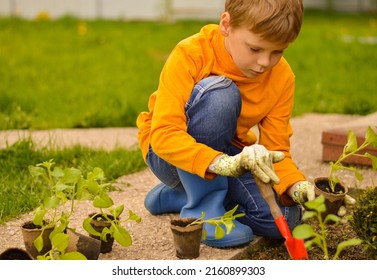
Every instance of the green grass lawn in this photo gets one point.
(72, 73)
(334, 60)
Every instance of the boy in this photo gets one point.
(215, 86)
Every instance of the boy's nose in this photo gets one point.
(264, 60)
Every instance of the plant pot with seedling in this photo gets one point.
(188, 232)
(66, 188)
(99, 223)
(331, 187)
(106, 223)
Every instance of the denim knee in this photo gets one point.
(212, 112)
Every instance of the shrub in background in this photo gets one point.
(364, 220)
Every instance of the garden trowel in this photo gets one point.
(295, 247)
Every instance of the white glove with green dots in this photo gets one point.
(255, 158)
(304, 191)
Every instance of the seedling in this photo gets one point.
(315, 209)
(227, 220)
(106, 209)
(352, 149)
(66, 188)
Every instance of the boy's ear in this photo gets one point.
(225, 24)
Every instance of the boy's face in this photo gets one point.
(252, 54)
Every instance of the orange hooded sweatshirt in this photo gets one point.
(267, 102)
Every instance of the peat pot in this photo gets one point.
(186, 238)
(29, 233)
(333, 200)
(86, 245)
(99, 223)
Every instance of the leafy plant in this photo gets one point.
(364, 219)
(67, 187)
(315, 209)
(59, 244)
(353, 149)
(110, 213)
(227, 220)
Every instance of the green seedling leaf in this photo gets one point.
(102, 200)
(133, 216)
(219, 232)
(97, 173)
(343, 245)
(52, 202)
(59, 229)
(358, 175)
(308, 215)
(57, 172)
(374, 160)
(73, 256)
(371, 137)
(336, 167)
(61, 187)
(204, 234)
(229, 225)
(36, 171)
(230, 213)
(71, 175)
(88, 227)
(122, 236)
(317, 204)
(351, 145)
(60, 241)
(107, 232)
(303, 231)
(117, 211)
(39, 215)
(315, 241)
(331, 218)
(38, 243)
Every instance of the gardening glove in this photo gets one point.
(303, 192)
(255, 158)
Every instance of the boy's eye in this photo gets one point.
(254, 50)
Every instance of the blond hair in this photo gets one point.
(274, 20)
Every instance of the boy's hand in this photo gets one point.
(255, 158)
(259, 160)
(304, 191)
(227, 165)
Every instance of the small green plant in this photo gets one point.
(315, 209)
(108, 212)
(364, 220)
(353, 149)
(60, 242)
(227, 220)
(66, 188)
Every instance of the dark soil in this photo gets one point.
(336, 233)
(274, 250)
